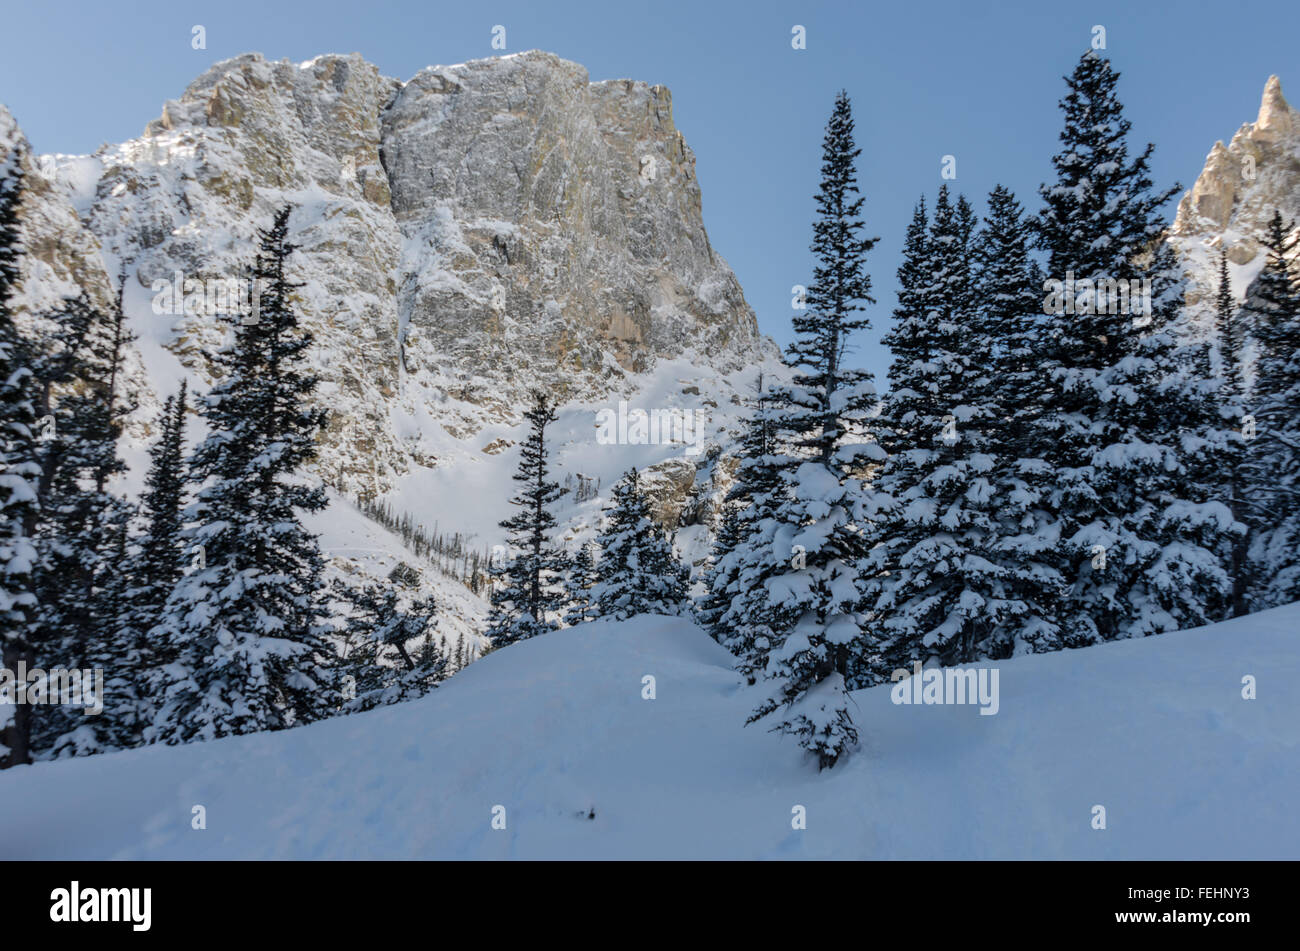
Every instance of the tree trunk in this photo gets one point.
(17, 734)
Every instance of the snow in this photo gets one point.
(555, 730)
(467, 487)
(358, 549)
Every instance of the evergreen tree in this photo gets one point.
(1226, 335)
(522, 606)
(1224, 309)
(1138, 544)
(1010, 316)
(19, 474)
(161, 505)
(1271, 468)
(67, 526)
(81, 531)
(909, 400)
(578, 583)
(756, 474)
(381, 667)
(718, 577)
(122, 721)
(246, 626)
(751, 619)
(943, 589)
(154, 567)
(1220, 358)
(429, 656)
(817, 546)
(637, 572)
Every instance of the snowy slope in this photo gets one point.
(555, 729)
(468, 489)
(358, 550)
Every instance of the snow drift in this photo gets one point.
(557, 731)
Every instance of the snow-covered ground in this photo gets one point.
(557, 732)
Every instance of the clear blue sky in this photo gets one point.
(977, 80)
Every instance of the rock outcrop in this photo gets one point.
(1234, 197)
(554, 224)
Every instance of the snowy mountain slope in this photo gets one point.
(555, 730)
(468, 492)
(466, 238)
(358, 549)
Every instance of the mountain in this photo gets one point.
(556, 731)
(465, 238)
(1234, 197)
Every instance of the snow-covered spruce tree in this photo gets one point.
(1270, 474)
(121, 723)
(153, 566)
(360, 675)
(818, 545)
(158, 565)
(578, 581)
(637, 572)
(1211, 376)
(1184, 588)
(381, 666)
(246, 624)
(1226, 336)
(720, 581)
(430, 656)
(1219, 359)
(942, 591)
(68, 518)
(749, 623)
(81, 531)
(1139, 547)
(19, 475)
(420, 674)
(523, 605)
(122, 720)
(1010, 315)
(894, 428)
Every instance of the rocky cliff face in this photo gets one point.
(1234, 197)
(553, 226)
(62, 257)
(466, 237)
